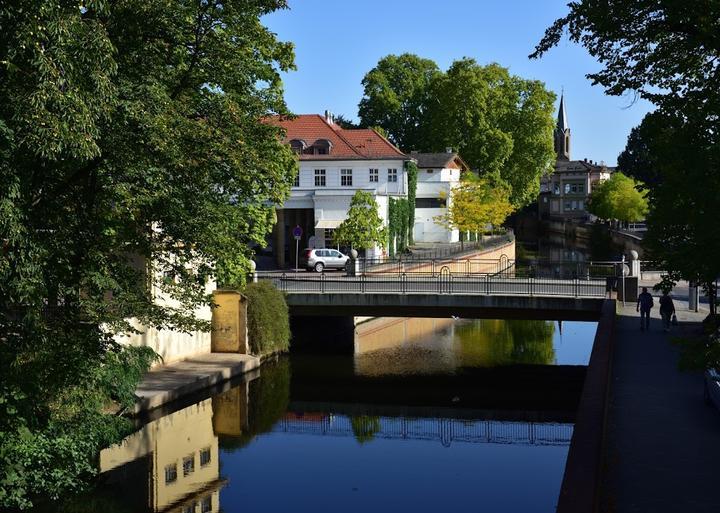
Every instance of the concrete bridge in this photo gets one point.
(504, 294)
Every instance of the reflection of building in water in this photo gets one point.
(180, 455)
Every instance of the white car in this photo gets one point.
(321, 259)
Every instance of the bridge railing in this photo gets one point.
(441, 283)
(445, 431)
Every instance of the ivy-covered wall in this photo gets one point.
(401, 215)
(412, 172)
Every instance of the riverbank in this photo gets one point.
(663, 443)
(171, 382)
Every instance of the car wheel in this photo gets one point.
(706, 395)
(319, 267)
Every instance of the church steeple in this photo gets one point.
(562, 132)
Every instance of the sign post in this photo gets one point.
(297, 233)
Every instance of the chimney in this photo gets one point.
(448, 149)
(585, 159)
(329, 117)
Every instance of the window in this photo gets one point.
(429, 171)
(430, 203)
(206, 504)
(392, 175)
(580, 205)
(190, 508)
(296, 180)
(567, 188)
(328, 238)
(319, 178)
(170, 473)
(297, 146)
(322, 147)
(188, 465)
(335, 254)
(205, 456)
(374, 175)
(556, 188)
(346, 177)
(567, 206)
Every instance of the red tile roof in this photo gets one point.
(360, 143)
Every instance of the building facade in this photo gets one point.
(334, 164)
(564, 193)
(438, 174)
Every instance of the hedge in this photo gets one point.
(268, 319)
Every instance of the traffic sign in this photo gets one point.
(297, 232)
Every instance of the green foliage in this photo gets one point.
(398, 225)
(269, 398)
(268, 318)
(491, 343)
(363, 227)
(664, 51)
(619, 197)
(412, 172)
(134, 164)
(475, 204)
(395, 97)
(52, 449)
(364, 428)
(501, 124)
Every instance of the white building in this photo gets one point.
(438, 174)
(334, 164)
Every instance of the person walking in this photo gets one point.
(644, 305)
(667, 310)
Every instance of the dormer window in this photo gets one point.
(297, 146)
(322, 147)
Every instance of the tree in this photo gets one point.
(363, 227)
(500, 123)
(130, 132)
(637, 159)
(475, 204)
(344, 122)
(665, 51)
(619, 197)
(395, 97)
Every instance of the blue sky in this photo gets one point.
(338, 41)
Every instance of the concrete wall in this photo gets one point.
(229, 323)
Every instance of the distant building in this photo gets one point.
(438, 174)
(564, 193)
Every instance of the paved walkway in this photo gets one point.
(664, 443)
(170, 382)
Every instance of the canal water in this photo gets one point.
(427, 415)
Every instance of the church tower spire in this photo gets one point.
(562, 132)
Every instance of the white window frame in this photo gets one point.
(320, 178)
(296, 180)
(374, 175)
(346, 177)
(392, 175)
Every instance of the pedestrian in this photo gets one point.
(644, 305)
(667, 309)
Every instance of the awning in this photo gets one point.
(328, 223)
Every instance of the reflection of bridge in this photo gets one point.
(445, 431)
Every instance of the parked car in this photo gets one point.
(712, 388)
(321, 259)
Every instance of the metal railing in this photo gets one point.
(448, 250)
(445, 431)
(443, 282)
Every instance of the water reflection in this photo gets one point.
(441, 415)
(430, 346)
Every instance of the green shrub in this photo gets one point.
(268, 319)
